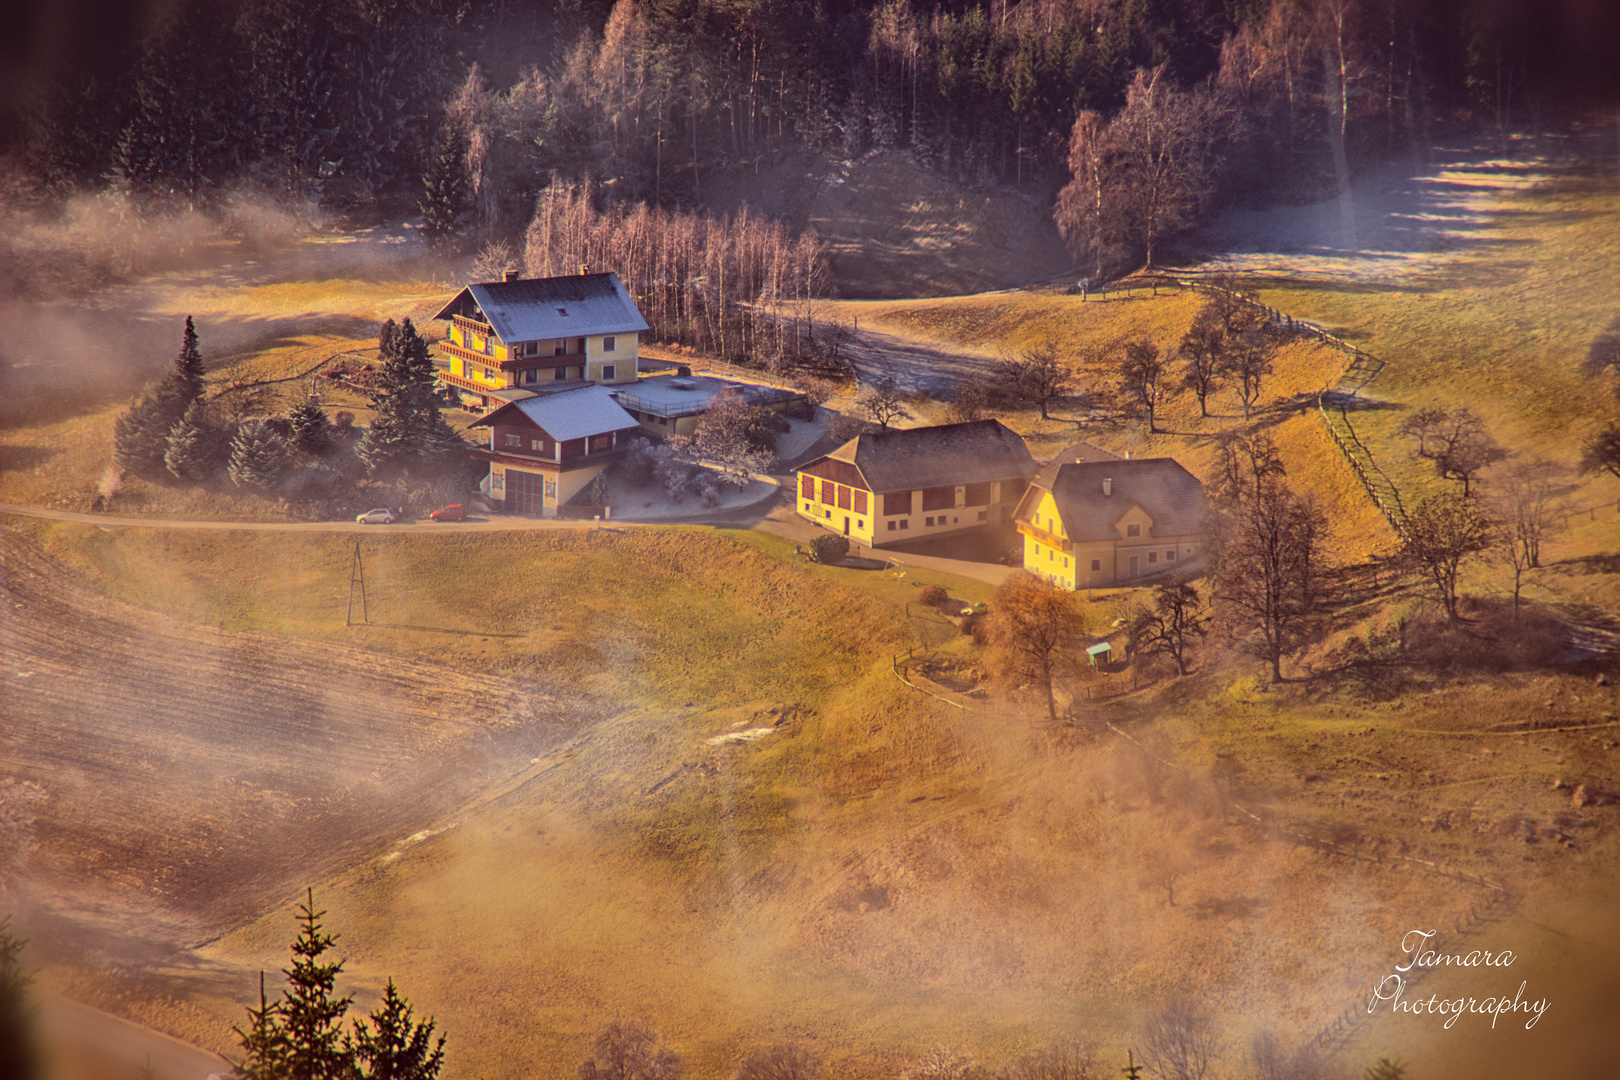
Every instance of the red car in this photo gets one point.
(453, 512)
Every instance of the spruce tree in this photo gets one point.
(141, 434)
(195, 448)
(258, 456)
(310, 1013)
(407, 434)
(394, 1047)
(263, 1043)
(311, 431)
(444, 198)
(187, 374)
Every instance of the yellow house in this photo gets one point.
(514, 338)
(892, 486)
(1110, 522)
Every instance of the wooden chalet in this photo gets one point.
(910, 484)
(544, 449)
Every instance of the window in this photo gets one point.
(496, 480)
(563, 312)
(607, 372)
(807, 487)
(904, 524)
(860, 502)
(843, 497)
(897, 502)
(984, 515)
(977, 495)
(607, 344)
(928, 521)
(515, 440)
(1153, 556)
(551, 489)
(559, 374)
(891, 526)
(559, 349)
(537, 444)
(600, 443)
(1096, 565)
(859, 524)
(1065, 562)
(1133, 530)
(829, 492)
(1170, 556)
(530, 375)
(939, 498)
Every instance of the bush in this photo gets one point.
(829, 549)
(934, 596)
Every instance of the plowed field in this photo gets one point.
(183, 776)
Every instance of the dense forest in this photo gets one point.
(351, 104)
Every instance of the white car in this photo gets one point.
(381, 516)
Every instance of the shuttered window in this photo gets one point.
(807, 487)
(860, 502)
(939, 498)
(897, 502)
(827, 491)
(843, 497)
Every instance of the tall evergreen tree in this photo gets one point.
(258, 456)
(187, 374)
(395, 1047)
(444, 200)
(263, 1043)
(407, 435)
(310, 1012)
(309, 427)
(141, 434)
(194, 447)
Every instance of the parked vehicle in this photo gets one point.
(453, 512)
(380, 516)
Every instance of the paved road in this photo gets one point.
(87, 1038)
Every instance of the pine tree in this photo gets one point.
(195, 449)
(263, 1043)
(310, 429)
(444, 200)
(258, 456)
(394, 1047)
(187, 374)
(407, 434)
(310, 1014)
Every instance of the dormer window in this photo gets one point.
(1133, 530)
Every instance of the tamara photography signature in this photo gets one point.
(1393, 987)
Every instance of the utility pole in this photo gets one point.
(1131, 1070)
(357, 577)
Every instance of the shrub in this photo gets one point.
(934, 596)
(829, 548)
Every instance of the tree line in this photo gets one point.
(176, 432)
(741, 288)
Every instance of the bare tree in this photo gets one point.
(1141, 379)
(1271, 1060)
(629, 1050)
(882, 403)
(1266, 544)
(1528, 498)
(723, 438)
(1602, 453)
(1037, 378)
(1172, 625)
(943, 1063)
(1604, 353)
(1440, 536)
(1224, 302)
(967, 402)
(1180, 1041)
(1203, 348)
(1080, 214)
(781, 1062)
(1033, 629)
(1162, 161)
(1075, 1059)
(1455, 440)
(1247, 361)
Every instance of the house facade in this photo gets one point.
(545, 449)
(887, 487)
(509, 339)
(1092, 523)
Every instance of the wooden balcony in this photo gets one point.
(472, 326)
(1044, 537)
(468, 384)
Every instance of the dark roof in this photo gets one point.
(975, 452)
(1170, 495)
(548, 309)
(1080, 451)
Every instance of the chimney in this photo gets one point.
(1127, 455)
(584, 268)
(1108, 486)
(510, 275)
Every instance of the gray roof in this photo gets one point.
(682, 395)
(549, 309)
(573, 414)
(1080, 451)
(970, 453)
(1171, 495)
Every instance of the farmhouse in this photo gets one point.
(1104, 522)
(509, 339)
(890, 486)
(544, 449)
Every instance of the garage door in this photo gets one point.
(524, 493)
